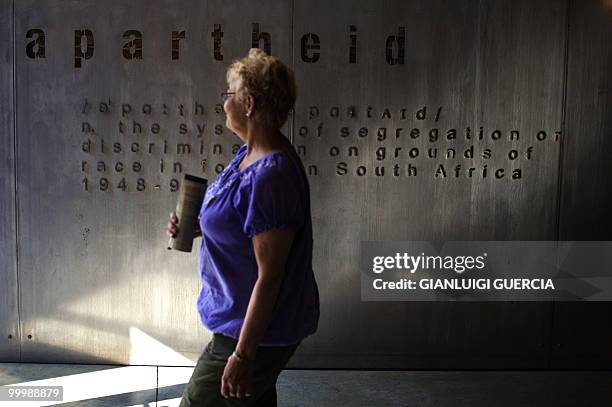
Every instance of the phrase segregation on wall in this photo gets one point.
(417, 149)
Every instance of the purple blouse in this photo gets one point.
(272, 192)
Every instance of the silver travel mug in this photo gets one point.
(187, 209)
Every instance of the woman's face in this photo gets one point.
(235, 111)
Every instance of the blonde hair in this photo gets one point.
(269, 81)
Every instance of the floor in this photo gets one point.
(153, 386)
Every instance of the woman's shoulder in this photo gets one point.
(275, 174)
(271, 163)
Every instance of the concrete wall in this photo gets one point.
(581, 335)
(95, 281)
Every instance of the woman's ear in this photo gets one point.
(250, 104)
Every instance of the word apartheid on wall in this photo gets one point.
(133, 40)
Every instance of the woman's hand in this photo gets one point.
(237, 379)
(172, 227)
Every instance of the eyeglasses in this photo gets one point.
(226, 95)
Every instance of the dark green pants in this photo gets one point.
(204, 387)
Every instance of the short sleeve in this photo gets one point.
(269, 199)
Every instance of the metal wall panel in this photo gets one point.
(95, 279)
(487, 64)
(9, 320)
(98, 283)
(582, 332)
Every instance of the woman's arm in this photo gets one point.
(271, 251)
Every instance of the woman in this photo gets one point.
(259, 295)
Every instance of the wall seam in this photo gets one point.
(292, 132)
(560, 164)
(15, 187)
